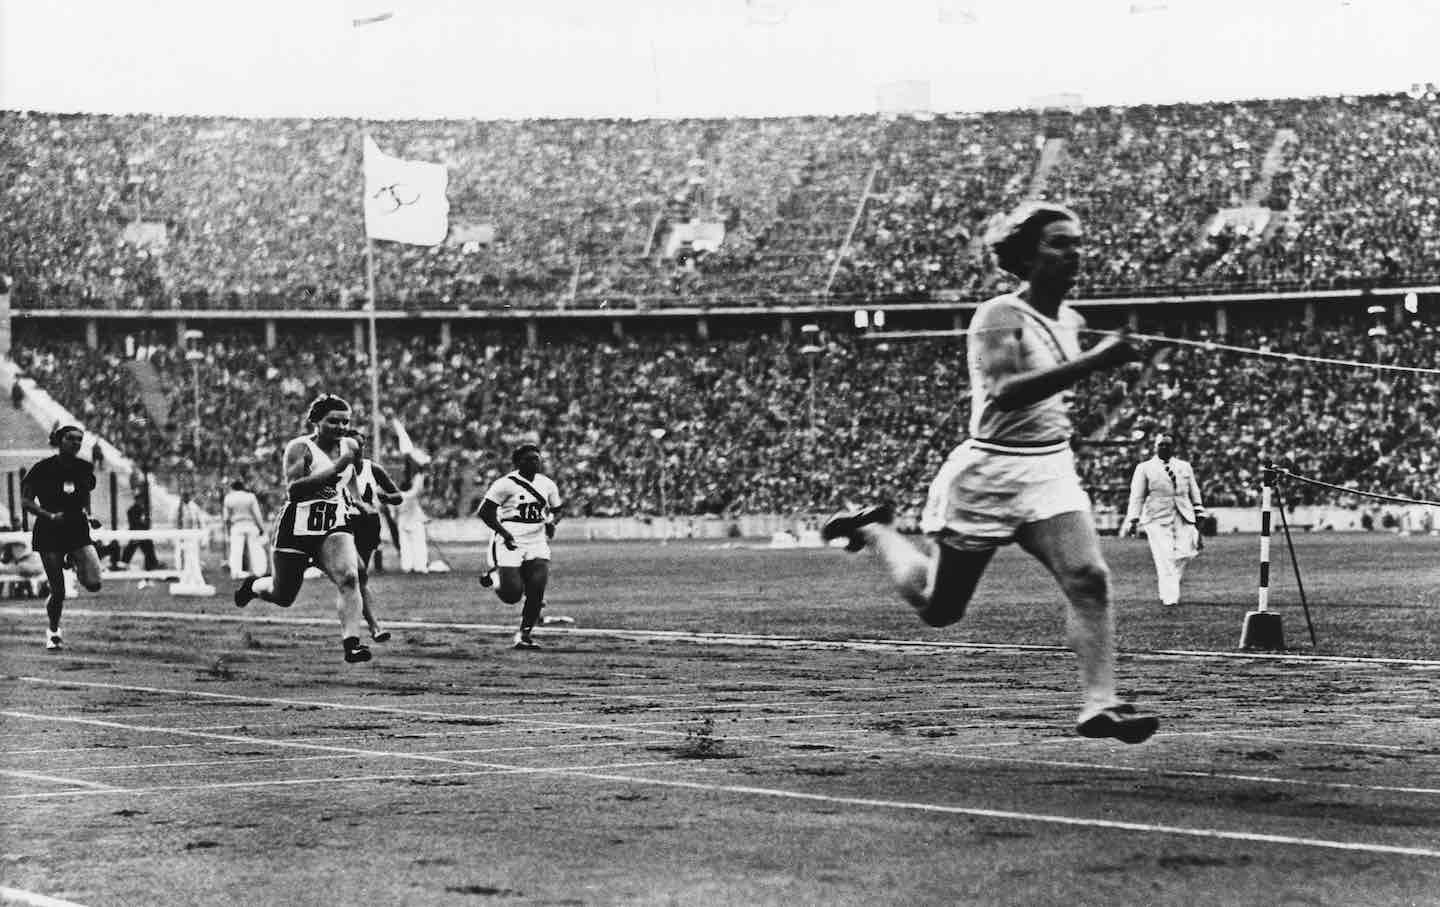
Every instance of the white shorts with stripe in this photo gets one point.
(986, 491)
(527, 548)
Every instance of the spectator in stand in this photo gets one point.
(206, 214)
(725, 400)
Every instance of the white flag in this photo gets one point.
(407, 447)
(404, 200)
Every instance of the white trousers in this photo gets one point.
(246, 540)
(1172, 547)
(414, 548)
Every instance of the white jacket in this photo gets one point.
(1155, 498)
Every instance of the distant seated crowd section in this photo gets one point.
(660, 424)
(136, 212)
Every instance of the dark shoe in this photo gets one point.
(1122, 722)
(846, 524)
(380, 636)
(245, 593)
(523, 641)
(354, 652)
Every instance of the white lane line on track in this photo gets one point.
(965, 751)
(53, 779)
(648, 727)
(267, 741)
(749, 790)
(970, 755)
(657, 728)
(1272, 738)
(35, 899)
(287, 760)
(741, 639)
(1141, 827)
(525, 719)
(327, 780)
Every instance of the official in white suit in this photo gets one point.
(410, 520)
(1165, 502)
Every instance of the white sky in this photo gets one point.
(644, 58)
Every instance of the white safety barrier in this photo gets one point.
(185, 576)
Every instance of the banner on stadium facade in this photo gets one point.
(404, 200)
(146, 234)
(702, 235)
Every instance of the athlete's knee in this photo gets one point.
(1087, 583)
(509, 595)
(91, 585)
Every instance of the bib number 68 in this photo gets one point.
(321, 517)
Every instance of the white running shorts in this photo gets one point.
(985, 492)
(526, 549)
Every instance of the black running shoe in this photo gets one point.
(846, 524)
(245, 593)
(1122, 722)
(354, 651)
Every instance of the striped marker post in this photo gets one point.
(1263, 628)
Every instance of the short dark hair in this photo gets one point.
(323, 404)
(1014, 240)
(60, 431)
(521, 451)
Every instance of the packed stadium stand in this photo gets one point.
(127, 212)
(143, 217)
(747, 428)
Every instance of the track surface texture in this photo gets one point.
(731, 725)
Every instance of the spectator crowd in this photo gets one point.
(756, 424)
(125, 212)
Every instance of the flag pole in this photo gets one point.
(360, 22)
(374, 347)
